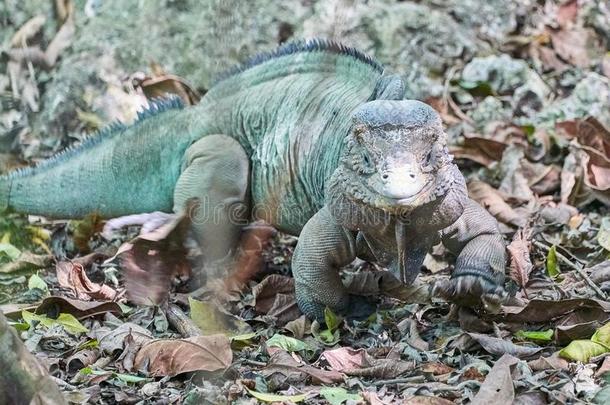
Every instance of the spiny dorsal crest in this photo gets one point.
(298, 46)
(155, 107)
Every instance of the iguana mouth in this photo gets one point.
(408, 201)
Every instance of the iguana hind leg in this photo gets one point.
(216, 173)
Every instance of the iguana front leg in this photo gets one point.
(478, 277)
(323, 248)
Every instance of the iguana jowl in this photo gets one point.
(313, 138)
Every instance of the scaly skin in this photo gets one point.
(293, 138)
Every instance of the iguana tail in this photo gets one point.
(120, 171)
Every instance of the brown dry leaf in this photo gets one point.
(498, 385)
(111, 341)
(575, 45)
(499, 346)
(371, 398)
(283, 363)
(383, 368)
(493, 201)
(358, 363)
(166, 84)
(589, 163)
(266, 291)
(81, 359)
(275, 297)
(170, 357)
(436, 368)
(424, 400)
(520, 262)
(153, 259)
(346, 358)
(481, 150)
(567, 13)
(80, 309)
(298, 327)
(552, 362)
(538, 311)
(72, 276)
(27, 261)
(604, 368)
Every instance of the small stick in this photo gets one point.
(178, 319)
(404, 380)
(254, 363)
(576, 267)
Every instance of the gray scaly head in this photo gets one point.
(395, 152)
(395, 168)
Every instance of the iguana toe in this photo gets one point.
(473, 291)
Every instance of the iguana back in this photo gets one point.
(289, 109)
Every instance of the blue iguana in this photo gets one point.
(315, 139)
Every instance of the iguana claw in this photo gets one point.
(472, 290)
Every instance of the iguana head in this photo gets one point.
(396, 162)
(396, 156)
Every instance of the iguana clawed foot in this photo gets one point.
(472, 289)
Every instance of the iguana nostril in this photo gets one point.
(411, 175)
(385, 176)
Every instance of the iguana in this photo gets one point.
(315, 139)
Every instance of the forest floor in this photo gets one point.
(529, 121)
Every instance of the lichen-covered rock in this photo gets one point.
(492, 20)
(506, 75)
(591, 96)
(501, 72)
(490, 109)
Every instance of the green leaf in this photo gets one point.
(125, 309)
(338, 395)
(582, 350)
(602, 336)
(86, 371)
(67, 321)
(71, 324)
(9, 251)
(20, 326)
(211, 321)
(552, 268)
(603, 236)
(287, 343)
(328, 337)
(263, 396)
(542, 335)
(332, 320)
(36, 281)
(90, 344)
(477, 88)
(241, 341)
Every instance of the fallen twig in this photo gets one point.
(404, 380)
(576, 267)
